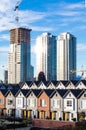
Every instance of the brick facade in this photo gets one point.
(54, 124)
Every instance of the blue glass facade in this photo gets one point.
(52, 58)
(25, 62)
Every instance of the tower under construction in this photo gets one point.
(19, 59)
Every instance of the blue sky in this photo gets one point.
(54, 16)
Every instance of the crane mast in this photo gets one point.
(82, 72)
(16, 10)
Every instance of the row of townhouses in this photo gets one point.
(73, 84)
(29, 100)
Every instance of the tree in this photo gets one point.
(41, 76)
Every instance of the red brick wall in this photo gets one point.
(47, 107)
(2, 105)
(53, 124)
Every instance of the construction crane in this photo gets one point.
(82, 72)
(16, 10)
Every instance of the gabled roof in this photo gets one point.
(13, 86)
(37, 83)
(45, 83)
(29, 83)
(82, 92)
(4, 92)
(2, 87)
(74, 82)
(61, 92)
(64, 82)
(61, 82)
(49, 92)
(14, 92)
(36, 92)
(75, 92)
(25, 91)
(18, 92)
(55, 82)
(83, 81)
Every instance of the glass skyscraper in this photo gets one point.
(46, 56)
(66, 50)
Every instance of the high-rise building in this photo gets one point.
(46, 56)
(19, 59)
(66, 56)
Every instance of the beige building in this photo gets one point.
(66, 51)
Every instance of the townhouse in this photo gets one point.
(56, 100)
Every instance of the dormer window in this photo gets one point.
(84, 95)
(31, 94)
(56, 94)
(69, 95)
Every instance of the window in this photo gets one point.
(19, 101)
(32, 102)
(42, 102)
(83, 104)
(31, 94)
(84, 95)
(10, 102)
(69, 103)
(71, 115)
(56, 103)
(0, 101)
(56, 94)
(69, 95)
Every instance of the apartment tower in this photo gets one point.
(46, 56)
(19, 59)
(66, 56)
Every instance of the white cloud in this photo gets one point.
(4, 37)
(6, 5)
(30, 16)
(4, 49)
(7, 15)
(75, 6)
(71, 6)
(81, 47)
(68, 13)
(37, 28)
